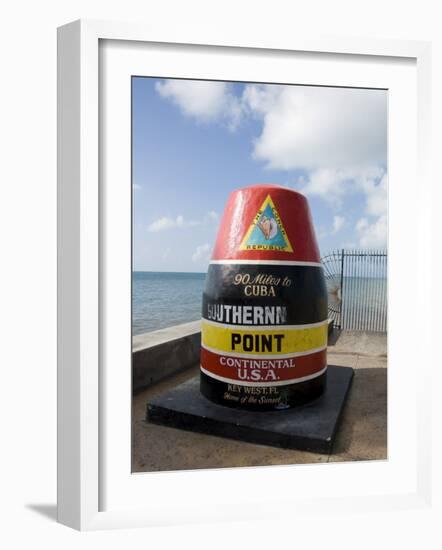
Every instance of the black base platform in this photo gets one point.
(310, 427)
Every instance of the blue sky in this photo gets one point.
(194, 142)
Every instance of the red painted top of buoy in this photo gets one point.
(266, 222)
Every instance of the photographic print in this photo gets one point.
(259, 274)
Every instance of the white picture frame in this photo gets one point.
(83, 398)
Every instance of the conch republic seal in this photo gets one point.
(264, 314)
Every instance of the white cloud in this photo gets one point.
(202, 253)
(303, 127)
(332, 133)
(348, 244)
(261, 98)
(313, 128)
(372, 234)
(327, 183)
(165, 223)
(338, 222)
(338, 136)
(204, 101)
(377, 195)
(212, 216)
(333, 185)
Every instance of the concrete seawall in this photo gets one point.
(158, 354)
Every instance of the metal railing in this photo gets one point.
(357, 288)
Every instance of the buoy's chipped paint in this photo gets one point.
(266, 232)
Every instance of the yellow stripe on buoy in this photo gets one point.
(271, 341)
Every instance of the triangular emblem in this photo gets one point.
(266, 231)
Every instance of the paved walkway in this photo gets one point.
(362, 434)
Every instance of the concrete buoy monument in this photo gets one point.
(264, 312)
(263, 376)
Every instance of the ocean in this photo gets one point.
(364, 303)
(161, 300)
